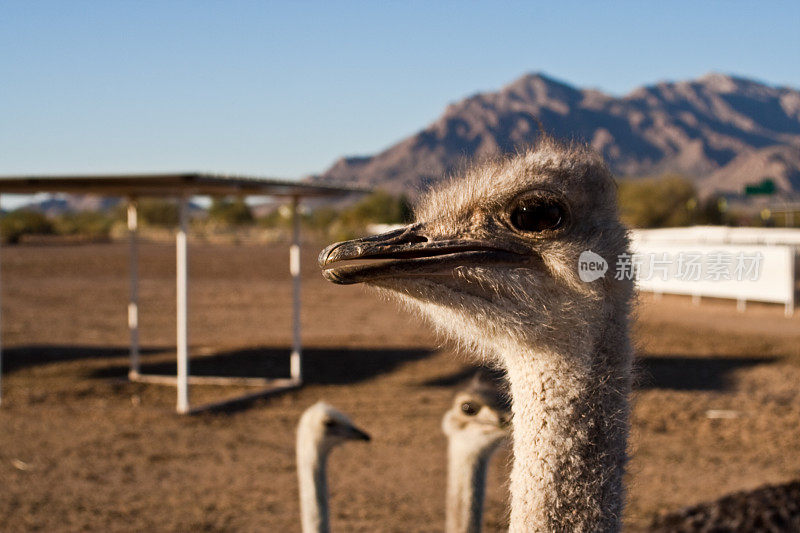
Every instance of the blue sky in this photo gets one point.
(284, 89)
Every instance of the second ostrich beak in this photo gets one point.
(411, 251)
(354, 433)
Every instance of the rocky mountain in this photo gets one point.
(781, 164)
(720, 130)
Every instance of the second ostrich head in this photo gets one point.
(320, 430)
(323, 428)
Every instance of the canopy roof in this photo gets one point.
(167, 184)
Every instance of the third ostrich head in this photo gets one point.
(476, 424)
(480, 414)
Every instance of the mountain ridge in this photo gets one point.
(691, 127)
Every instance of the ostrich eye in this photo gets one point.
(470, 408)
(330, 424)
(537, 214)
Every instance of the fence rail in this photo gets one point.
(744, 264)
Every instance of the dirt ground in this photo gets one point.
(81, 449)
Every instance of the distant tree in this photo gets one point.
(21, 222)
(230, 212)
(321, 218)
(380, 207)
(351, 221)
(94, 224)
(274, 219)
(657, 202)
(158, 212)
(709, 211)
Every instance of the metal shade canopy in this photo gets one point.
(167, 184)
(183, 186)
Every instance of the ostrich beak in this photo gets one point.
(410, 251)
(354, 433)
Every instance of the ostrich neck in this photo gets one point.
(570, 434)
(466, 485)
(312, 477)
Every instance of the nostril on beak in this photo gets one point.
(412, 235)
(415, 239)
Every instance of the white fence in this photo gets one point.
(756, 264)
(720, 235)
(740, 272)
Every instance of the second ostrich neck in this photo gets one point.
(313, 481)
(570, 432)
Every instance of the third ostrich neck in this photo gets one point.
(466, 485)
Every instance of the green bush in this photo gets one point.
(379, 207)
(158, 212)
(24, 222)
(274, 219)
(667, 201)
(322, 218)
(343, 223)
(230, 212)
(711, 211)
(94, 224)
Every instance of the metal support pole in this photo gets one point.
(182, 309)
(788, 310)
(133, 304)
(295, 364)
(1, 350)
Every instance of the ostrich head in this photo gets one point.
(480, 414)
(493, 261)
(324, 427)
(492, 257)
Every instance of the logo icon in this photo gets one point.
(591, 266)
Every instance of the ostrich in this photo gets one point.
(320, 429)
(492, 261)
(768, 508)
(475, 426)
